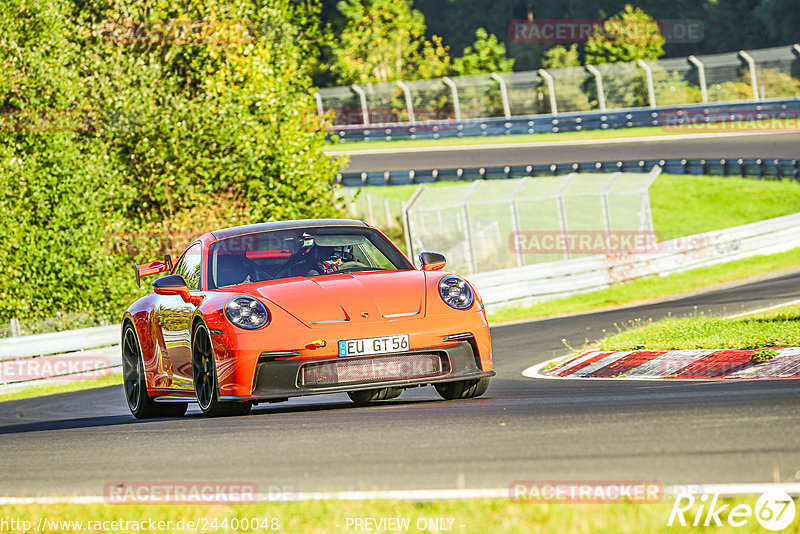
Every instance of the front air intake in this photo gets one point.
(376, 369)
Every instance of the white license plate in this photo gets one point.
(373, 345)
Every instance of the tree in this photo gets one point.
(128, 129)
(560, 57)
(229, 133)
(382, 41)
(486, 55)
(55, 181)
(627, 36)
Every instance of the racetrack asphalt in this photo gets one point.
(522, 429)
(755, 145)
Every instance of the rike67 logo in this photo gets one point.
(774, 510)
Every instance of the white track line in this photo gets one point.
(761, 310)
(545, 144)
(792, 488)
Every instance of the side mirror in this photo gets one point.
(174, 284)
(432, 261)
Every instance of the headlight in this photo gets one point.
(455, 292)
(247, 313)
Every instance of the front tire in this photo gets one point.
(372, 395)
(206, 384)
(463, 389)
(135, 384)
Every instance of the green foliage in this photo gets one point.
(486, 55)
(381, 41)
(560, 57)
(627, 36)
(129, 129)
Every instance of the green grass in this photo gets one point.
(645, 131)
(651, 287)
(775, 328)
(681, 206)
(686, 205)
(49, 389)
(479, 516)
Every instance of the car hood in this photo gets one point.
(381, 295)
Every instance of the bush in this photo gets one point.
(117, 144)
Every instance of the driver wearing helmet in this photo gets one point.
(330, 259)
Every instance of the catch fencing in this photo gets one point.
(533, 283)
(59, 357)
(479, 225)
(754, 76)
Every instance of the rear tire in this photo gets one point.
(135, 383)
(372, 395)
(463, 389)
(204, 376)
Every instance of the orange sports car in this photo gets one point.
(265, 312)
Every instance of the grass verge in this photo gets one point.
(774, 328)
(684, 205)
(622, 133)
(479, 516)
(652, 287)
(113, 379)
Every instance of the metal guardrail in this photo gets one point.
(98, 350)
(762, 168)
(58, 356)
(663, 116)
(524, 285)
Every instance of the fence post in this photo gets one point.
(651, 91)
(363, 97)
(409, 103)
(550, 89)
(15, 328)
(562, 213)
(388, 212)
(407, 221)
(370, 212)
(454, 91)
(503, 94)
(645, 214)
(753, 78)
(598, 80)
(701, 75)
(468, 229)
(318, 100)
(604, 201)
(515, 216)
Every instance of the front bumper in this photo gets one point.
(281, 379)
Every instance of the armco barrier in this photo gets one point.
(519, 285)
(786, 110)
(523, 285)
(762, 168)
(58, 356)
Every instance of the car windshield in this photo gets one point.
(306, 252)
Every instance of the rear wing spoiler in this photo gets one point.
(154, 267)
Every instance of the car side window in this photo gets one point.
(189, 266)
